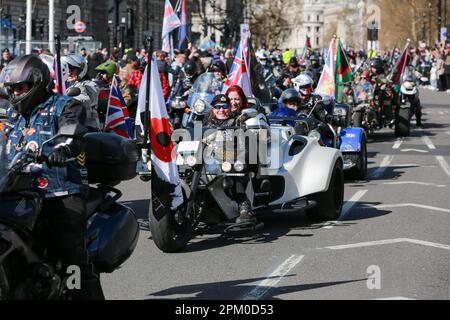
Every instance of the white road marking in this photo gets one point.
(383, 166)
(398, 143)
(396, 298)
(448, 132)
(414, 150)
(428, 142)
(416, 182)
(403, 205)
(390, 241)
(348, 206)
(441, 113)
(273, 279)
(411, 165)
(444, 165)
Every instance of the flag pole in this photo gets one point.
(149, 47)
(58, 63)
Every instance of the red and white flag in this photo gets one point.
(166, 184)
(397, 72)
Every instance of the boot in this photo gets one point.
(246, 214)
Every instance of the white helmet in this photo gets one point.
(76, 61)
(261, 55)
(303, 81)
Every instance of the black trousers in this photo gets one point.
(67, 234)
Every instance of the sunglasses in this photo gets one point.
(221, 106)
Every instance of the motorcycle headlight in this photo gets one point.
(350, 100)
(226, 167)
(199, 106)
(173, 104)
(191, 161)
(238, 166)
(182, 104)
(315, 135)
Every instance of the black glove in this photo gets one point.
(58, 158)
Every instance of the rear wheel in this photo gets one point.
(402, 125)
(329, 203)
(359, 172)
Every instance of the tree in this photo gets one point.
(267, 22)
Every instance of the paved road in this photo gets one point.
(393, 241)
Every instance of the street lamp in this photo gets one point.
(424, 34)
(430, 23)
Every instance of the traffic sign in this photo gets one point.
(80, 27)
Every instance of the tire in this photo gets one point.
(357, 119)
(360, 171)
(329, 203)
(403, 123)
(169, 235)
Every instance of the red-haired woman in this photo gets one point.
(238, 99)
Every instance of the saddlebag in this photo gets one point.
(112, 237)
(110, 158)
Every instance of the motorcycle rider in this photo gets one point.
(106, 72)
(315, 68)
(186, 79)
(78, 68)
(292, 71)
(38, 115)
(309, 101)
(221, 117)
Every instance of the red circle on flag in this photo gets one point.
(160, 137)
(80, 27)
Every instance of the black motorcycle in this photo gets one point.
(27, 269)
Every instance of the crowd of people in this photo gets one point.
(290, 76)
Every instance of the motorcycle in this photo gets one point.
(177, 110)
(409, 102)
(27, 269)
(364, 111)
(285, 178)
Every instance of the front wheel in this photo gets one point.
(403, 125)
(172, 232)
(329, 203)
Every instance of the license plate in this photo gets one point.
(188, 147)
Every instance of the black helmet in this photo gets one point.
(190, 67)
(290, 95)
(314, 57)
(30, 70)
(219, 66)
(376, 63)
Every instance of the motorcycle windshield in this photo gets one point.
(205, 88)
(363, 92)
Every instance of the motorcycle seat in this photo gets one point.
(94, 199)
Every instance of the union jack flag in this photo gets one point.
(239, 71)
(170, 23)
(117, 117)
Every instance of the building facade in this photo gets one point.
(13, 30)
